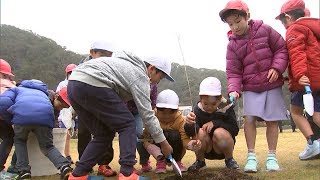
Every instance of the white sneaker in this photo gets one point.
(310, 151)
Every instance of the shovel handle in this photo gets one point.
(308, 90)
(231, 99)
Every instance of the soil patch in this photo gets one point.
(213, 174)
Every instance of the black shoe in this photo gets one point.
(198, 165)
(26, 175)
(65, 171)
(12, 169)
(231, 163)
(70, 160)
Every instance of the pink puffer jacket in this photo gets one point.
(251, 56)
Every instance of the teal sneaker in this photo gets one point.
(272, 163)
(252, 163)
(6, 175)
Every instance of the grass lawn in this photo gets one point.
(289, 146)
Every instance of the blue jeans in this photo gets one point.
(143, 153)
(6, 134)
(45, 139)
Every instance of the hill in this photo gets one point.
(33, 56)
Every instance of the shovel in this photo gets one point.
(174, 165)
(308, 101)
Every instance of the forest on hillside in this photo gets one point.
(33, 56)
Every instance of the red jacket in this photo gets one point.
(303, 43)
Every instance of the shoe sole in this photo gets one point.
(250, 171)
(310, 157)
(101, 174)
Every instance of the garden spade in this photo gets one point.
(308, 101)
(174, 165)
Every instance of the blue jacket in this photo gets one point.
(27, 104)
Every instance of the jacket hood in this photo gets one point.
(129, 56)
(35, 84)
(254, 25)
(312, 23)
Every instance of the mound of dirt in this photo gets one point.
(210, 174)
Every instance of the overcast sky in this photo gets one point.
(145, 27)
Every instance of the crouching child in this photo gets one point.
(214, 125)
(172, 124)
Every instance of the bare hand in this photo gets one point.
(194, 145)
(166, 149)
(235, 95)
(272, 75)
(207, 127)
(190, 118)
(304, 81)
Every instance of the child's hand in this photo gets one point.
(166, 148)
(207, 127)
(194, 145)
(304, 81)
(272, 75)
(190, 118)
(235, 95)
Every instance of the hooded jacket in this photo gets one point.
(176, 123)
(127, 75)
(27, 104)
(251, 56)
(303, 43)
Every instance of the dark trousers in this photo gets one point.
(45, 139)
(174, 139)
(103, 112)
(6, 134)
(84, 137)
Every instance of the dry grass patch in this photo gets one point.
(289, 146)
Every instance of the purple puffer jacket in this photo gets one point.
(251, 56)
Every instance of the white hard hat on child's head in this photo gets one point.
(103, 45)
(210, 86)
(167, 99)
(162, 64)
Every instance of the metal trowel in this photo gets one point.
(174, 165)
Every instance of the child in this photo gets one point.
(6, 131)
(31, 111)
(62, 84)
(303, 43)
(97, 90)
(256, 58)
(172, 124)
(97, 49)
(216, 127)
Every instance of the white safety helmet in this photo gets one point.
(167, 99)
(162, 64)
(210, 86)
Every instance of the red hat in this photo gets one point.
(70, 67)
(235, 4)
(5, 67)
(64, 95)
(291, 5)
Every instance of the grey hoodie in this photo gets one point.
(126, 74)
